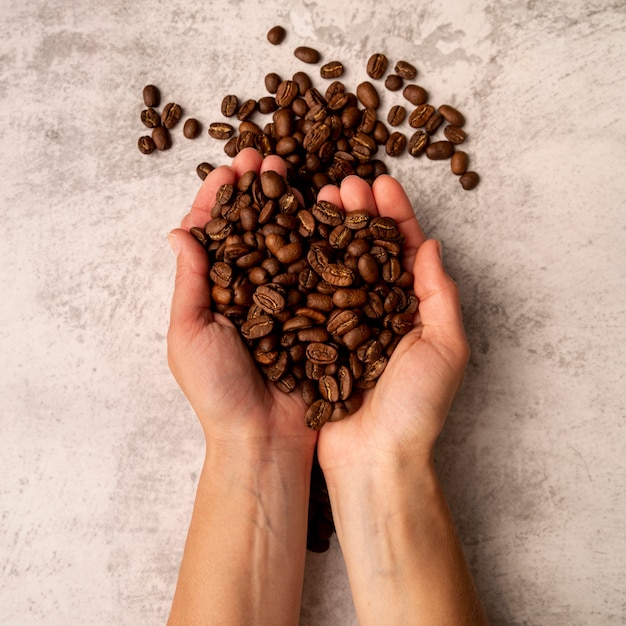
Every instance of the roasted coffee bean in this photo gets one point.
(303, 81)
(257, 327)
(415, 94)
(316, 137)
(272, 184)
(218, 229)
(367, 95)
(402, 323)
(150, 118)
(231, 147)
(221, 130)
(369, 118)
(391, 270)
(355, 220)
(338, 275)
(328, 388)
(146, 144)
(307, 54)
(452, 116)
(230, 104)
(272, 80)
(355, 337)
(332, 69)
(433, 123)
(327, 213)
(341, 321)
(459, 162)
(439, 150)
(418, 143)
(224, 193)
(375, 369)
(396, 144)
(221, 274)
(321, 353)
(286, 93)
(171, 114)
(469, 180)
(266, 105)
(384, 228)
(421, 115)
(340, 237)
(317, 415)
(309, 391)
(455, 134)
(246, 109)
(349, 298)
(276, 35)
(319, 301)
(377, 66)
(289, 253)
(393, 82)
(368, 268)
(369, 351)
(406, 70)
(269, 298)
(204, 169)
(396, 115)
(161, 138)
(151, 96)
(191, 128)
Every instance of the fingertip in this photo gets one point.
(246, 160)
(274, 163)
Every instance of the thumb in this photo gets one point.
(439, 302)
(192, 293)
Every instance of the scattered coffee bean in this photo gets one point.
(150, 118)
(161, 138)
(221, 130)
(452, 116)
(418, 143)
(455, 134)
(393, 82)
(433, 123)
(377, 66)
(151, 96)
(415, 94)
(276, 35)
(421, 115)
(146, 144)
(191, 128)
(469, 180)
(396, 144)
(439, 150)
(406, 70)
(272, 80)
(396, 115)
(332, 69)
(459, 162)
(171, 114)
(203, 170)
(307, 54)
(230, 104)
(367, 95)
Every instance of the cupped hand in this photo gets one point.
(206, 355)
(401, 418)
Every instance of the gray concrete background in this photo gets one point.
(100, 451)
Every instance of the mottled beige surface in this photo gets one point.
(101, 452)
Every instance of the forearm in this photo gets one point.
(244, 556)
(404, 561)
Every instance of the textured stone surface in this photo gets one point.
(100, 450)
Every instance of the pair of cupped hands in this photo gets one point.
(399, 419)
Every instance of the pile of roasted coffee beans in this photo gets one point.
(318, 295)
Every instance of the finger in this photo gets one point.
(200, 212)
(274, 163)
(356, 195)
(330, 193)
(392, 201)
(439, 302)
(246, 160)
(191, 300)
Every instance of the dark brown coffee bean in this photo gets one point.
(396, 115)
(171, 114)
(204, 169)
(273, 184)
(380, 133)
(377, 66)
(218, 229)
(327, 213)
(287, 383)
(418, 143)
(374, 307)
(321, 353)
(257, 327)
(415, 94)
(146, 144)
(309, 392)
(439, 150)
(224, 193)
(393, 82)
(355, 220)
(246, 109)
(384, 228)
(375, 369)
(303, 81)
(433, 123)
(328, 388)
(342, 321)
(459, 163)
(316, 137)
(161, 138)
(402, 323)
(269, 298)
(286, 93)
(272, 80)
(421, 115)
(367, 95)
(391, 270)
(151, 96)
(319, 301)
(369, 118)
(150, 118)
(455, 134)
(452, 116)
(340, 237)
(349, 298)
(370, 351)
(316, 416)
(289, 253)
(396, 144)
(338, 275)
(221, 274)
(355, 337)
(307, 54)
(332, 69)
(221, 130)
(230, 104)
(368, 268)
(191, 129)
(318, 317)
(336, 87)
(276, 35)
(469, 180)
(221, 295)
(231, 147)
(406, 70)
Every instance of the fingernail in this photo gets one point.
(440, 250)
(172, 239)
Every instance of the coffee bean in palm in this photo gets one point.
(161, 138)
(318, 414)
(455, 134)
(452, 115)
(171, 114)
(332, 69)
(459, 162)
(377, 66)
(469, 180)
(146, 144)
(191, 128)
(393, 82)
(307, 54)
(367, 95)
(151, 96)
(276, 35)
(406, 70)
(150, 118)
(439, 150)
